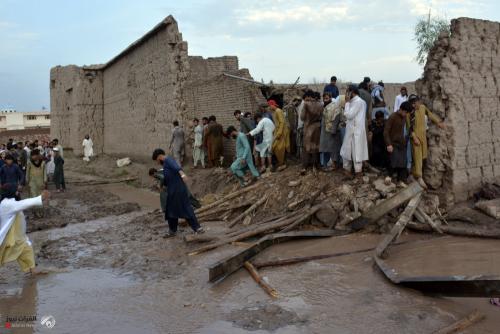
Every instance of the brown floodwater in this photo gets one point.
(340, 295)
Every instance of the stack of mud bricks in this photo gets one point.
(461, 84)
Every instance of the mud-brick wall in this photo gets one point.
(143, 94)
(76, 106)
(221, 96)
(201, 69)
(461, 83)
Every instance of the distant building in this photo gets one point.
(11, 119)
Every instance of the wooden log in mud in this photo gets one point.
(227, 266)
(458, 230)
(425, 219)
(219, 209)
(257, 278)
(462, 324)
(192, 238)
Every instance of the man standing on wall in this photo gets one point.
(415, 122)
(354, 148)
(177, 143)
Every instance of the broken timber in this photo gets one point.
(248, 211)
(399, 226)
(227, 266)
(459, 230)
(226, 198)
(387, 205)
(257, 278)
(462, 324)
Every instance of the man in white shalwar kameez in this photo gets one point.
(355, 147)
(266, 126)
(14, 243)
(88, 148)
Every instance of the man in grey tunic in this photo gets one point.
(177, 143)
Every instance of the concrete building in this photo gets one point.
(128, 105)
(14, 120)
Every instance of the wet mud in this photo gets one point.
(113, 272)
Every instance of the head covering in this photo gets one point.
(297, 98)
(367, 79)
(55, 149)
(354, 88)
(272, 103)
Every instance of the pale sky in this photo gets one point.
(276, 39)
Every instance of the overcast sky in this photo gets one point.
(276, 39)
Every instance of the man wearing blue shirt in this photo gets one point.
(332, 88)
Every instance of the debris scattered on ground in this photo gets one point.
(123, 162)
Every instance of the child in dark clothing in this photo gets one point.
(379, 157)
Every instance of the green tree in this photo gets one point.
(426, 32)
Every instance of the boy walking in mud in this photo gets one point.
(178, 203)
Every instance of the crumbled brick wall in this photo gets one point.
(461, 83)
(221, 96)
(76, 106)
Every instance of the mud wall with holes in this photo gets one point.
(461, 83)
(76, 101)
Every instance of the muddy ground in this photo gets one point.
(111, 271)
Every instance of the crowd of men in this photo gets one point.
(325, 131)
(31, 164)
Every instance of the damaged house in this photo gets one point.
(128, 104)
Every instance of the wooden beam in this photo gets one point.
(248, 211)
(399, 226)
(425, 219)
(227, 197)
(387, 205)
(257, 278)
(462, 324)
(459, 230)
(227, 266)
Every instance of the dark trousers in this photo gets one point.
(174, 222)
(310, 159)
(324, 158)
(402, 173)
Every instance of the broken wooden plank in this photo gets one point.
(377, 212)
(399, 226)
(257, 278)
(300, 259)
(424, 218)
(227, 197)
(220, 209)
(301, 219)
(227, 266)
(459, 230)
(248, 211)
(462, 324)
